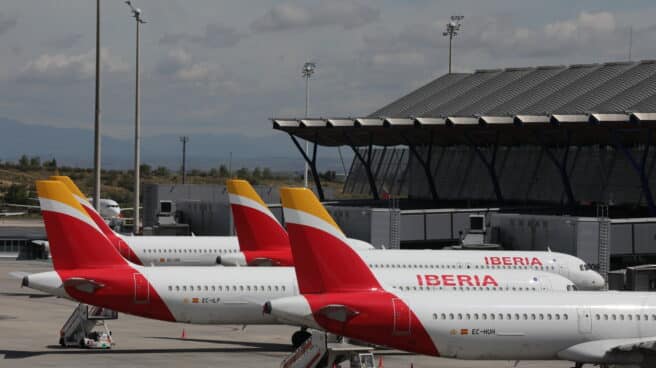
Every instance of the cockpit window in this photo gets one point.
(584, 267)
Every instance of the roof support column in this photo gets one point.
(489, 164)
(366, 163)
(639, 167)
(561, 165)
(313, 164)
(425, 164)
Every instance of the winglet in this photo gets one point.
(75, 239)
(257, 228)
(323, 260)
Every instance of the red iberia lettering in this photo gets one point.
(489, 281)
(536, 262)
(513, 261)
(456, 280)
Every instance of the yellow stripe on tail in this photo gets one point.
(243, 188)
(57, 191)
(302, 199)
(69, 184)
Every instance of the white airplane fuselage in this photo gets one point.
(235, 295)
(204, 250)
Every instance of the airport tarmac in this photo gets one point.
(30, 323)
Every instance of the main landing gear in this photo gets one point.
(299, 337)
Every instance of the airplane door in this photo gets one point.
(401, 317)
(141, 289)
(563, 270)
(585, 320)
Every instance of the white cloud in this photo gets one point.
(213, 36)
(69, 68)
(347, 14)
(179, 65)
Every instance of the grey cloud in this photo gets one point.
(65, 42)
(179, 65)
(63, 68)
(347, 14)
(213, 36)
(7, 23)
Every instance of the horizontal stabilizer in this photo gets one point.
(338, 312)
(84, 285)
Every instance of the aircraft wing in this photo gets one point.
(82, 284)
(7, 214)
(603, 350)
(22, 205)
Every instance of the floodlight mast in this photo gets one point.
(308, 70)
(452, 29)
(136, 13)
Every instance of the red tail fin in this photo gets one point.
(324, 261)
(75, 239)
(257, 228)
(123, 248)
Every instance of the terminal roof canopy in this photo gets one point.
(555, 105)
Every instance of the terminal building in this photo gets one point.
(556, 157)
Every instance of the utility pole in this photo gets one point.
(136, 13)
(308, 70)
(452, 29)
(96, 130)
(184, 140)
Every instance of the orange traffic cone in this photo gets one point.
(184, 334)
(380, 362)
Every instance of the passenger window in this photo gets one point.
(549, 316)
(184, 288)
(206, 288)
(500, 316)
(637, 317)
(533, 316)
(450, 315)
(621, 317)
(460, 316)
(565, 317)
(508, 316)
(491, 316)
(213, 288)
(630, 317)
(177, 288)
(525, 316)
(476, 316)
(248, 288)
(468, 316)
(614, 317)
(484, 316)
(434, 315)
(541, 316)
(170, 288)
(443, 316)
(605, 317)
(557, 316)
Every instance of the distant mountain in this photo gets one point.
(72, 146)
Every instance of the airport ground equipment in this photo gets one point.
(318, 351)
(86, 328)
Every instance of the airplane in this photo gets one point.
(261, 233)
(89, 269)
(109, 208)
(198, 250)
(586, 327)
(256, 225)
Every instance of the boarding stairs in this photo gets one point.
(317, 351)
(83, 323)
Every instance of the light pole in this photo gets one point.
(96, 131)
(184, 139)
(136, 13)
(308, 70)
(452, 29)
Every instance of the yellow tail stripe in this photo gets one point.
(243, 188)
(69, 184)
(57, 191)
(302, 199)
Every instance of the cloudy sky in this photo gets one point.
(227, 66)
